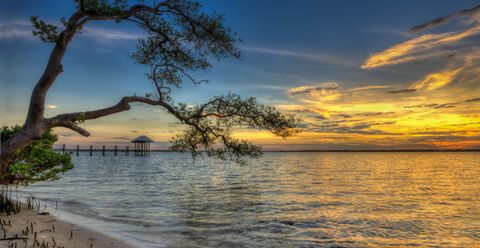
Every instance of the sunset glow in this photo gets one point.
(392, 89)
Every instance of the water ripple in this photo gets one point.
(281, 200)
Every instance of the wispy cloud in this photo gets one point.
(370, 87)
(402, 91)
(473, 100)
(51, 106)
(323, 89)
(445, 19)
(385, 31)
(18, 29)
(15, 30)
(436, 80)
(425, 46)
(102, 34)
(447, 42)
(365, 128)
(271, 87)
(435, 105)
(320, 57)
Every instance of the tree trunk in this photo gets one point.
(4, 160)
(35, 125)
(21, 140)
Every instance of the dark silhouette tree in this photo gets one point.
(181, 39)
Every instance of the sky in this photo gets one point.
(352, 71)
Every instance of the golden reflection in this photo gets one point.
(419, 195)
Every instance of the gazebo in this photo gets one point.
(142, 145)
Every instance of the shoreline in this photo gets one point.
(45, 228)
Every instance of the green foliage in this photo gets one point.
(38, 161)
(211, 126)
(103, 7)
(46, 32)
(180, 39)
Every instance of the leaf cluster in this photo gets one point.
(181, 39)
(47, 33)
(38, 161)
(102, 7)
(211, 126)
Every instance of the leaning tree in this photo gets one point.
(180, 39)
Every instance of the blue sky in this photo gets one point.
(285, 45)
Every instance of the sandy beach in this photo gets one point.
(30, 228)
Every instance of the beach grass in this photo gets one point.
(30, 224)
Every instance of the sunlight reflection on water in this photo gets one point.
(282, 200)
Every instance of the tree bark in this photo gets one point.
(35, 125)
(34, 129)
(21, 140)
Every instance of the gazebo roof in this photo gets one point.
(142, 138)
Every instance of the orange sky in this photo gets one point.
(401, 90)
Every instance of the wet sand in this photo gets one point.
(49, 231)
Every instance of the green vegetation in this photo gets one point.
(181, 39)
(38, 161)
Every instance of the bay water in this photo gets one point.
(284, 199)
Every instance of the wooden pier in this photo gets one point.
(91, 150)
(141, 148)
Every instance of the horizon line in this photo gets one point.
(307, 150)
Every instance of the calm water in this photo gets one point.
(281, 200)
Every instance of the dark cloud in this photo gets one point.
(319, 117)
(443, 138)
(121, 138)
(134, 131)
(310, 113)
(303, 125)
(309, 89)
(343, 116)
(299, 111)
(473, 100)
(357, 128)
(401, 91)
(349, 130)
(365, 125)
(438, 132)
(445, 19)
(434, 105)
(368, 114)
(446, 105)
(332, 122)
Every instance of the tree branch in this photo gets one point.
(71, 125)
(181, 39)
(210, 123)
(122, 105)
